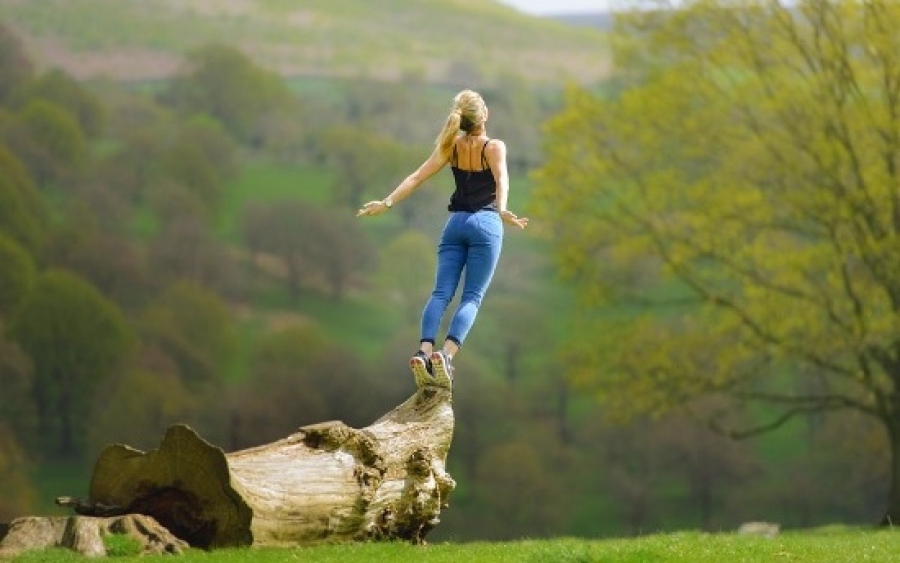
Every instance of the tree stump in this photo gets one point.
(85, 534)
(326, 482)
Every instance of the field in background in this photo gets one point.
(369, 38)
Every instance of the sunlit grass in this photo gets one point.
(823, 546)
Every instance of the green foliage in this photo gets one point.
(277, 395)
(524, 498)
(406, 272)
(64, 91)
(17, 410)
(228, 85)
(315, 245)
(16, 489)
(49, 140)
(75, 337)
(150, 398)
(194, 327)
(741, 179)
(23, 213)
(16, 277)
(193, 172)
(344, 252)
(194, 176)
(362, 159)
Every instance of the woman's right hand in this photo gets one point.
(373, 208)
(511, 218)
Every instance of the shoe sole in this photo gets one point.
(420, 372)
(443, 377)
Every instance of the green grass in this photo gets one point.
(355, 37)
(825, 546)
(266, 181)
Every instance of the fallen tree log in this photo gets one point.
(326, 482)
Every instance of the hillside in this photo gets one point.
(438, 39)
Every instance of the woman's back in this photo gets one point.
(476, 187)
(469, 153)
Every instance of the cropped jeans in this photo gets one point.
(470, 242)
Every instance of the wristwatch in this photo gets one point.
(388, 202)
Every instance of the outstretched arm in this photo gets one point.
(429, 168)
(496, 155)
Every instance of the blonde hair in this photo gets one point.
(469, 111)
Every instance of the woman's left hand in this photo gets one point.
(372, 208)
(511, 218)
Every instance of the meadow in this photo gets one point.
(313, 39)
(824, 545)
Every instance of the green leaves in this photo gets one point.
(750, 163)
(75, 337)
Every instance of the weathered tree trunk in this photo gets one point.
(326, 482)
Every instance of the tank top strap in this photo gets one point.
(484, 162)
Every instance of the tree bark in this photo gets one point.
(326, 482)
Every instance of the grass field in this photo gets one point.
(828, 545)
(313, 38)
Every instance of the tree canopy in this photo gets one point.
(746, 178)
(16, 277)
(75, 337)
(23, 214)
(225, 83)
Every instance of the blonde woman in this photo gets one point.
(473, 235)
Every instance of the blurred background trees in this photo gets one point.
(184, 250)
(746, 181)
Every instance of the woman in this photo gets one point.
(473, 235)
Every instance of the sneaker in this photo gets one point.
(442, 370)
(420, 364)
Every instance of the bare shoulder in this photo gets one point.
(496, 145)
(495, 148)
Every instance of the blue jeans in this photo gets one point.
(470, 242)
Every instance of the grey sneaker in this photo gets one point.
(420, 364)
(442, 370)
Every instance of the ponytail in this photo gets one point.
(468, 112)
(449, 133)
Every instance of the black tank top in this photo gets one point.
(476, 190)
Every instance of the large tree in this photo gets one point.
(316, 246)
(745, 173)
(364, 161)
(49, 141)
(75, 338)
(64, 91)
(226, 84)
